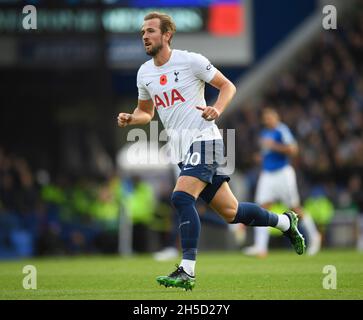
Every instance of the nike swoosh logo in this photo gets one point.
(183, 223)
(188, 168)
(148, 83)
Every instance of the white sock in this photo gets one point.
(262, 237)
(310, 227)
(188, 266)
(283, 223)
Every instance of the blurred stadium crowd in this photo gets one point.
(320, 99)
(38, 217)
(73, 215)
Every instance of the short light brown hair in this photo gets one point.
(166, 22)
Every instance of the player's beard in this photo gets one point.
(155, 50)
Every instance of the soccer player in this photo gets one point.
(277, 182)
(173, 82)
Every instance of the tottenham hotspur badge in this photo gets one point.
(176, 76)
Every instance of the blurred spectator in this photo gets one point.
(356, 191)
(141, 204)
(355, 188)
(167, 223)
(321, 99)
(320, 208)
(105, 209)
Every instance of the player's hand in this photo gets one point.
(124, 119)
(209, 113)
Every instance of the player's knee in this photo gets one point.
(180, 199)
(229, 213)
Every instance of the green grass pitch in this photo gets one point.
(220, 276)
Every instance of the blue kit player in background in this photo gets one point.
(277, 181)
(173, 82)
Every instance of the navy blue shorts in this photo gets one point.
(203, 162)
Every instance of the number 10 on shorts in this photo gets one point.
(193, 158)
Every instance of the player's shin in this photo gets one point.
(189, 228)
(251, 214)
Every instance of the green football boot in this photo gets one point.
(294, 235)
(178, 279)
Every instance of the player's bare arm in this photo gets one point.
(227, 90)
(143, 114)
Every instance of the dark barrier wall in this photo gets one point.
(274, 20)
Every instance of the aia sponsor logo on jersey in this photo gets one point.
(163, 80)
(166, 100)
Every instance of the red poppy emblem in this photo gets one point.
(163, 80)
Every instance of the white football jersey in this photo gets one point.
(177, 88)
